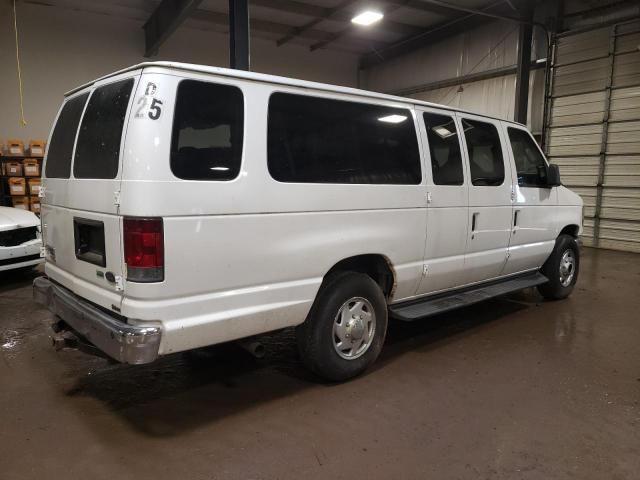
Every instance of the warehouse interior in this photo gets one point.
(515, 387)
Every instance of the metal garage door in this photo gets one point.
(594, 129)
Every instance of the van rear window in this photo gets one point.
(208, 124)
(64, 134)
(321, 140)
(98, 149)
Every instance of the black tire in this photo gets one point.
(316, 335)
(554, 289)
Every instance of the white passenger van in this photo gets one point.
(186, 205)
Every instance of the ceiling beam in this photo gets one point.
(431, 35)
(269, 27)
(444, 10)
(292, 6)
(598, 10)
(521, 7)
(350, 30)
(467, 13)
(296, 31)
(474, 11)
(306, 9)
(164, 20)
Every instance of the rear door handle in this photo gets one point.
(515, 220)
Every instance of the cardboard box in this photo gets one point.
(21, 202)
(17, 186)
(36, 148)
(31, 167)
(15, 148)
(34, 186)
(34, 204)
(13, 169)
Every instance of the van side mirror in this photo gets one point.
(553, 176)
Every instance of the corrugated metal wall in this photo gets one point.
(594, 130)
(494, 96)
(487, 47)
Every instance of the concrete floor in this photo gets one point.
(514, 388)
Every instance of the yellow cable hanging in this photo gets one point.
(23, 122)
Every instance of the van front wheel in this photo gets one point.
(561, 268)
(346, 327)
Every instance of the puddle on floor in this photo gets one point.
(11, 341)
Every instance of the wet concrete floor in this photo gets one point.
(515, 388)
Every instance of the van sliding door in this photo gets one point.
(447, 202)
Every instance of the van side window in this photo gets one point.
(64, 134)
(444, 145)
(485, 153)
(208, 124)
(320, 140)
(98, 149)
(530, 164)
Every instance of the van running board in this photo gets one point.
(415, 309)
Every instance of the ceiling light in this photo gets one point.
(367, 17)
(393, 118)
(444, 132)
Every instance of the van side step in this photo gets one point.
(415, 309)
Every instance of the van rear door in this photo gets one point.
(82, 229)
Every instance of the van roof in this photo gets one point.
(263, 77)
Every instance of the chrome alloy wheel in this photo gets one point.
(567, 267)
(354, 328)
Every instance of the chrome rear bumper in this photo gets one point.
(125, 343)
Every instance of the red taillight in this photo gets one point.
(144, 249)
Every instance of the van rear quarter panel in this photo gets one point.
(248, 255)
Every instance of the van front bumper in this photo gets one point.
(133, 344)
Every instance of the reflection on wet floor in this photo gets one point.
(508, 386)
(9, 341)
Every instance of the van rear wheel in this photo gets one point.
(561, 268)
(346, 327)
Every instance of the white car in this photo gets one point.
(19, 239)
(187, 205)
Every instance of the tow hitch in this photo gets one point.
(63, 338)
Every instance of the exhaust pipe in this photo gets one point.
(254, 347)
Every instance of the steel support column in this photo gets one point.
(523, 68)
(239, 34)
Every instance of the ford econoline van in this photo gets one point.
(184, 206)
